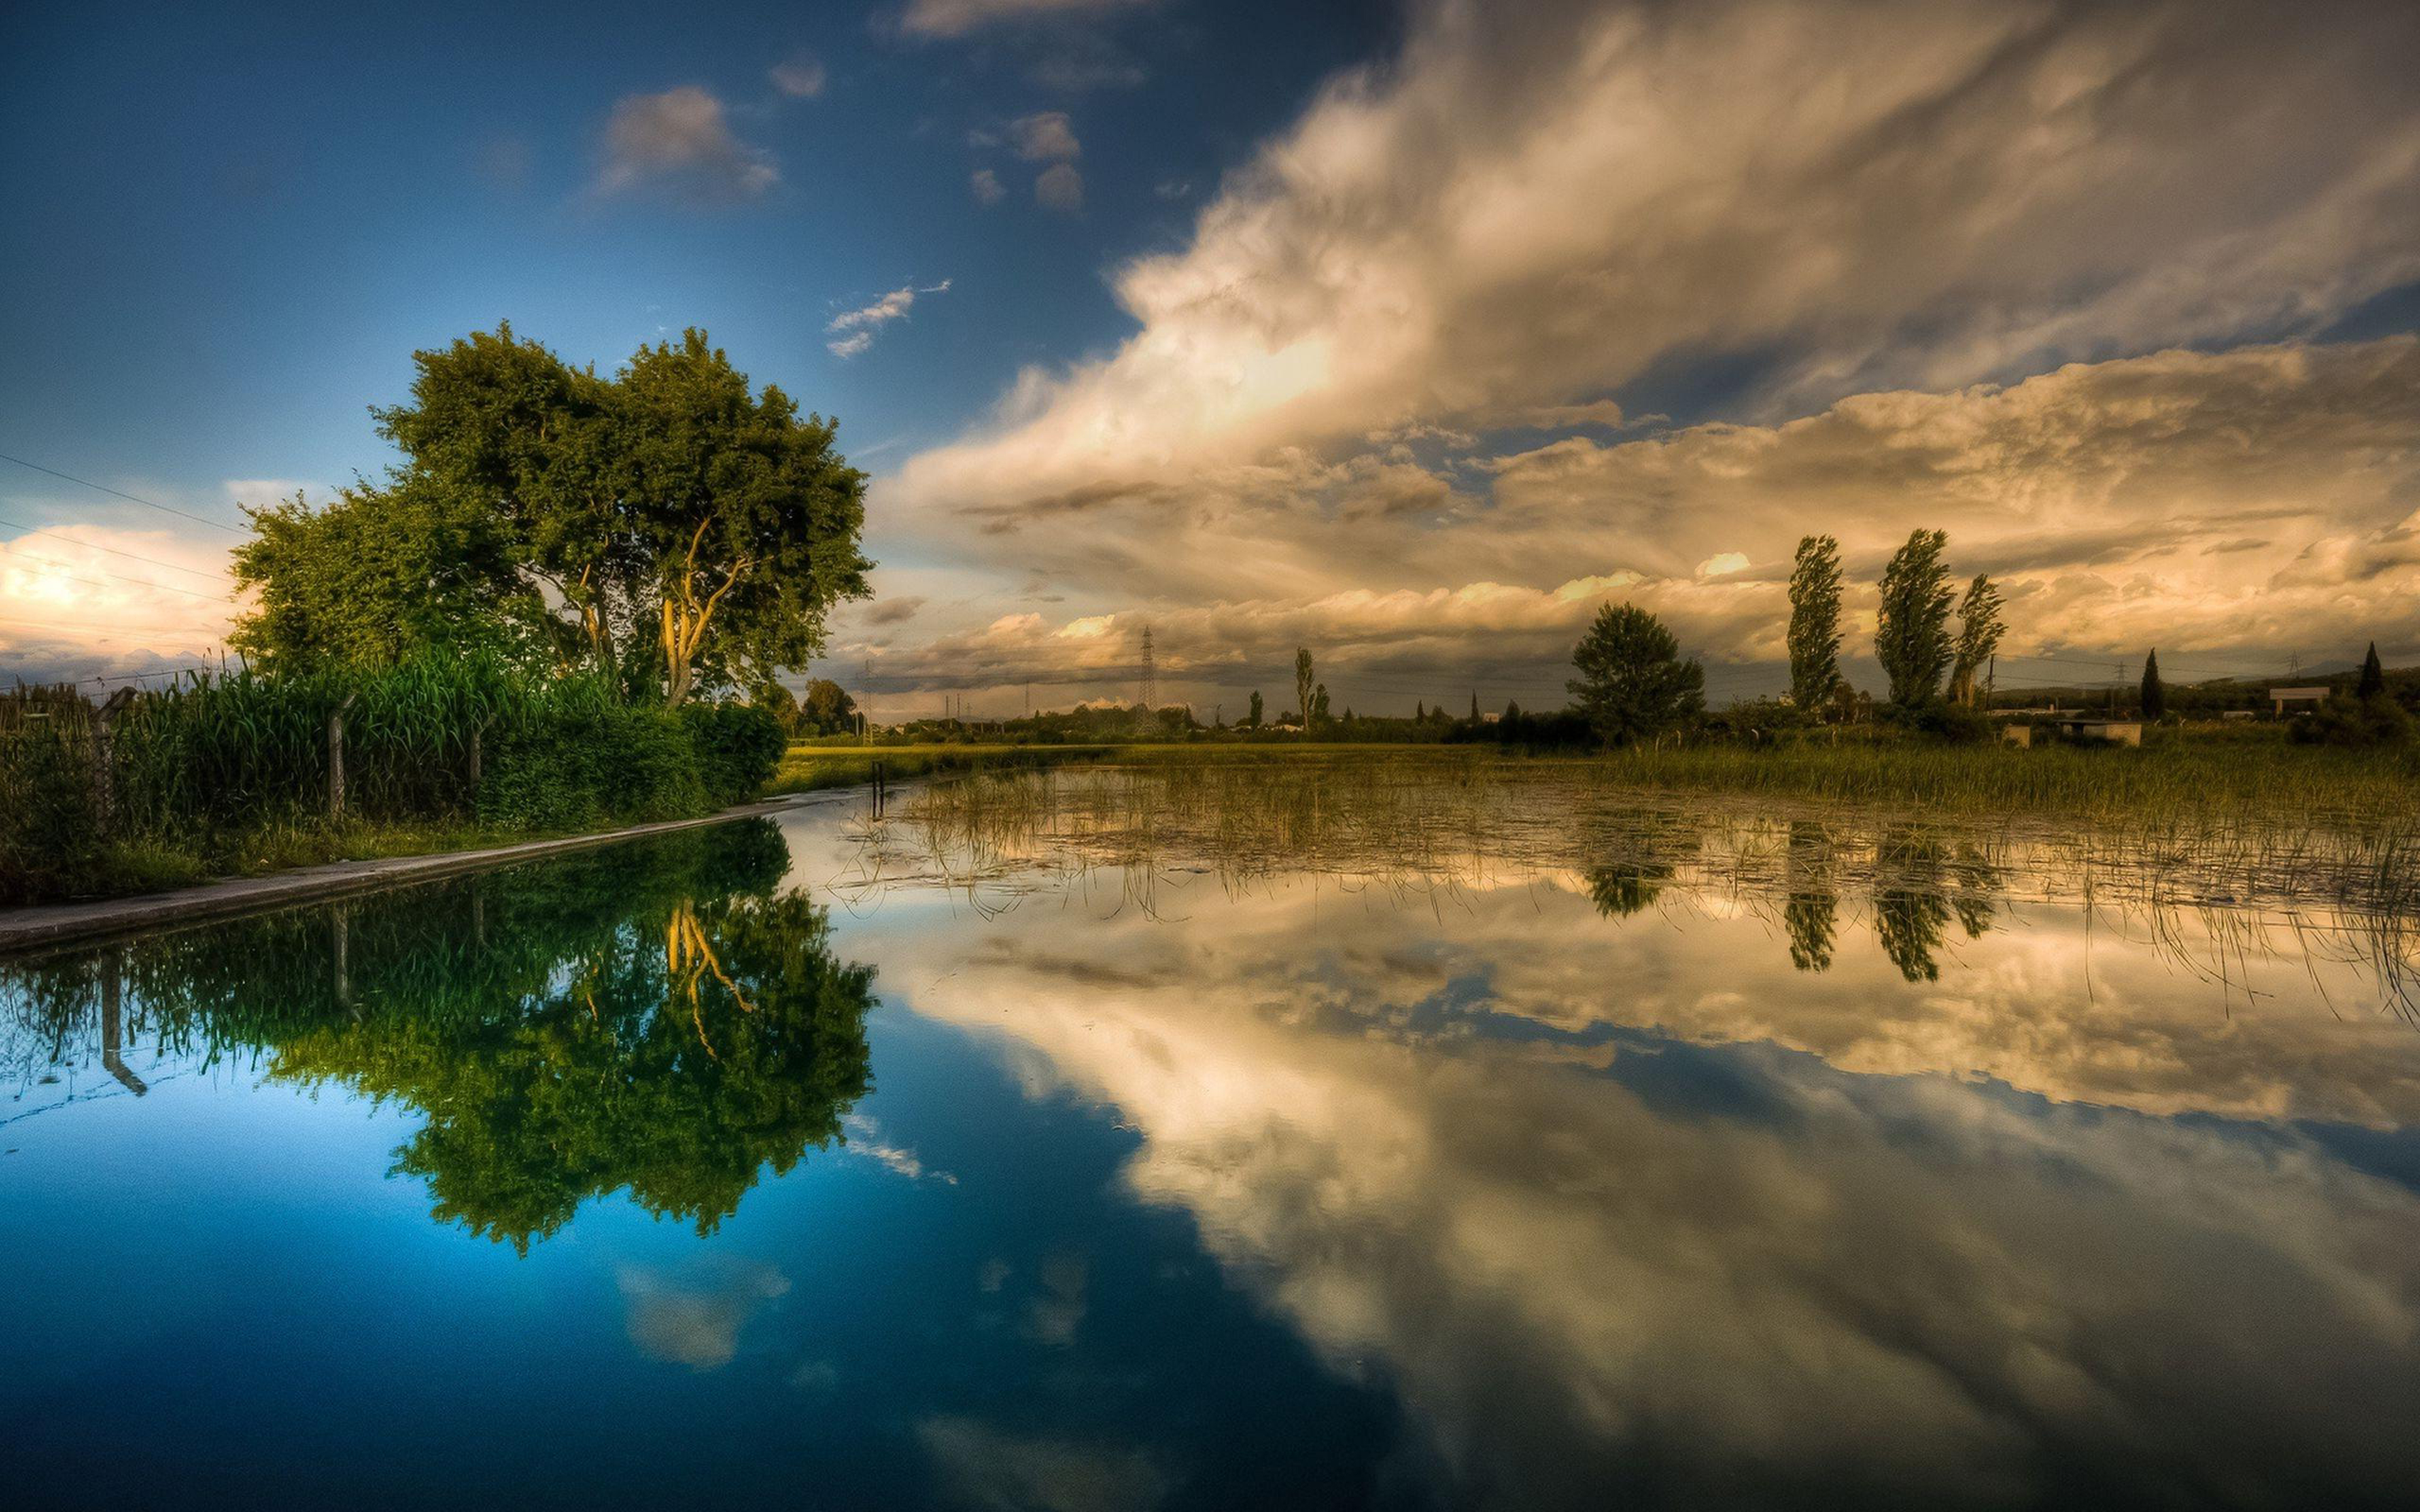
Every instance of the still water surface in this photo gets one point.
(994, 1156)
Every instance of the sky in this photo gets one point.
(1410, 333)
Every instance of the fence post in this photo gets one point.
(337, 761)
(474, 764)
(104, 759)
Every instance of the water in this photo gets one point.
(1075, 1145)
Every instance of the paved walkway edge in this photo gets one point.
(25, 931)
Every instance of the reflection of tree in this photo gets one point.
(1912, 906)
(1642, 857)
(1811, 912)
(656, 1017)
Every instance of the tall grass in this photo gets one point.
(232, 773)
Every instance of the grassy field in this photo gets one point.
(2208, 773)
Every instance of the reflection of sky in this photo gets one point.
(1633, 1200)
(1298, 1188)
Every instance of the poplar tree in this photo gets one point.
(1911, 635)
(1815, 622)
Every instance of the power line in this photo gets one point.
(140, 582)
(214, 524)
(93, 546)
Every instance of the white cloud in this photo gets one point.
(1531, 207)
(855, 328)
(1044, 137)
(986, 187)
(801, 78)
(681, 141)
(955, 18)
(1059, 188)
(2229, 507)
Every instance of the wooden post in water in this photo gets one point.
(104, 757)
(337, 761)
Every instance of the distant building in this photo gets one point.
(2122, 732)
(2301, 700)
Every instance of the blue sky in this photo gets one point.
(237, 224)
(1406, 332)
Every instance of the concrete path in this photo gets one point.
(24, 930)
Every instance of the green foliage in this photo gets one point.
(2155, 693)
(1633, 681)
(827, 709)
(580, 756)
(1815, 622)
(1302, 685)
(2373, 676)
(736, 746)
(1253, 720)
(695, 530)
(1978, 637)
(50, 834)
(378, 577)
(230, 773)
(1912, 639)
(2351, 720)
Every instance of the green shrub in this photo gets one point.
(50, 834)
(736, 746)
(576, 756)
(2344, 720)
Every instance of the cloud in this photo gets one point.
(82, 601)
(2223, 506)
(681, 141)
(955, 18)
(1533, 208)
(1059, 188)
(1044, 137)
(986, 187)
(855, 328)
(801, 78)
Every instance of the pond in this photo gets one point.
(1383, 1137)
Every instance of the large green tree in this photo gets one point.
(2155, 692)
(1633, 681)
(1815, 622)
(1302, 684)
(687, 529)
(1911, 637)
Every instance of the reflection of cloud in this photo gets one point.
(1630, 1251)
(865, 1140)
(695, 1326)
(1057, 1310)
(955, 18)
(984, 1467)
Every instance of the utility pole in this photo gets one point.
(1150, 674)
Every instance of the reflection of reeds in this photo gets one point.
(1429, 824)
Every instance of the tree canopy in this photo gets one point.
(669, 524)
(1632, 680)
(1911, 637)
(1815, 622)
(1978, 637)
